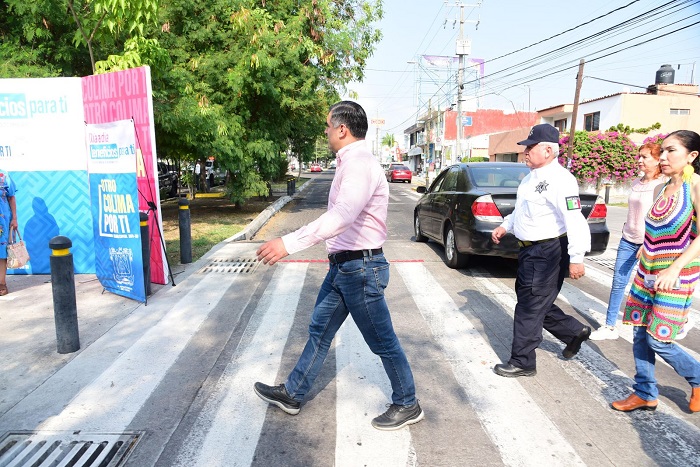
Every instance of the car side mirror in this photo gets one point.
(421, 189)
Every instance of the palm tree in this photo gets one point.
(388, 140)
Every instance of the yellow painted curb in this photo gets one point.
(210, 195)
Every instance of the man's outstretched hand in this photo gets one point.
(272, 251)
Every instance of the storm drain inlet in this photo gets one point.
(230, 266)
(54, 449)
(607, 262)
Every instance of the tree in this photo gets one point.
(388, 140)
(599, 157)
(244, 81)
(272, 69)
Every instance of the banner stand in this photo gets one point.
(153, 208)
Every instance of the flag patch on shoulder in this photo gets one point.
(573, 202)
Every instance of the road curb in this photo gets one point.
(251, 229)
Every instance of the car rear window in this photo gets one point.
(485, 176)
(399, 167)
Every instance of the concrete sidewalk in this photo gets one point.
(28, 346)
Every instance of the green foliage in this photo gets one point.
(138, 51)
(600, 156)
(244, 81)
(388, 140)
(475, 159)
(626, 129)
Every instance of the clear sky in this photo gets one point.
(413, 28)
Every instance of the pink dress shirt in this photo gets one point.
(357, 206)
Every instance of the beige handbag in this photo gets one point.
(17, 254)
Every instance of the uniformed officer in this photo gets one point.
(553, 236)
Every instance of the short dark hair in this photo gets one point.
(352, 115)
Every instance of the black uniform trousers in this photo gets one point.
(542, 268)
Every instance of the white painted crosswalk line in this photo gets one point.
(472, 359)
(110, 402)
(605, 382)
(227, 430)
(363, 389)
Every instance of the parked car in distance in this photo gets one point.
(315, 168)
(167, 180)
(467, 201)
(398, 172)
(219, 176)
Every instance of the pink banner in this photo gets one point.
(120, 96)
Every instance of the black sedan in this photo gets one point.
(467, 201)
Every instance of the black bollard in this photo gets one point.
(145, 253)
(63, 285)
(294, 186)
(289, 187)
(185, 232)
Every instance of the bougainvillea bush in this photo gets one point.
(658, 139)
(599, 157)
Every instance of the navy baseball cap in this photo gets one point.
(542, 133)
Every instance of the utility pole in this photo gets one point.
(572, 131)
(463, 48)
(460, 84)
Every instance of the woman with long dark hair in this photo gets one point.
(640, 200)
(668, 272)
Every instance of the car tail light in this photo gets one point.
(484, 209)
(599, 211)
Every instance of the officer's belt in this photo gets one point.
(524, 243)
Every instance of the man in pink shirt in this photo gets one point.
(354, 229)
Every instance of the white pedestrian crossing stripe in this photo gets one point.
(363, 390)
(472, 360)
(228, 427)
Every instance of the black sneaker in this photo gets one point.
(575, 345)
(398, 416)
(277, 395)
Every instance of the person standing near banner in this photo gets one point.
(8, 221)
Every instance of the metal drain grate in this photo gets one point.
(603, 261)
(230, 266)
(44, 449)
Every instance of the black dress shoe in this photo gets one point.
(511, 371)
(574, 346)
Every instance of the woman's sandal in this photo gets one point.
(3, 290)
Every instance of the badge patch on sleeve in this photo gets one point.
(573, 202)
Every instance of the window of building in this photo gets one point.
(592, 121)
(507, 157)
(680, 111)
(560, 125)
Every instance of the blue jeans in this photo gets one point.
(645, 348)
(624, 266)
(355, 287)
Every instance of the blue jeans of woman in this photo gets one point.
(354, 287)
(624, 266)
(645, 348)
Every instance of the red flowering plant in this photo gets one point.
(657, 139)
(599, 158)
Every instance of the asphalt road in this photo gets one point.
(174, 379)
